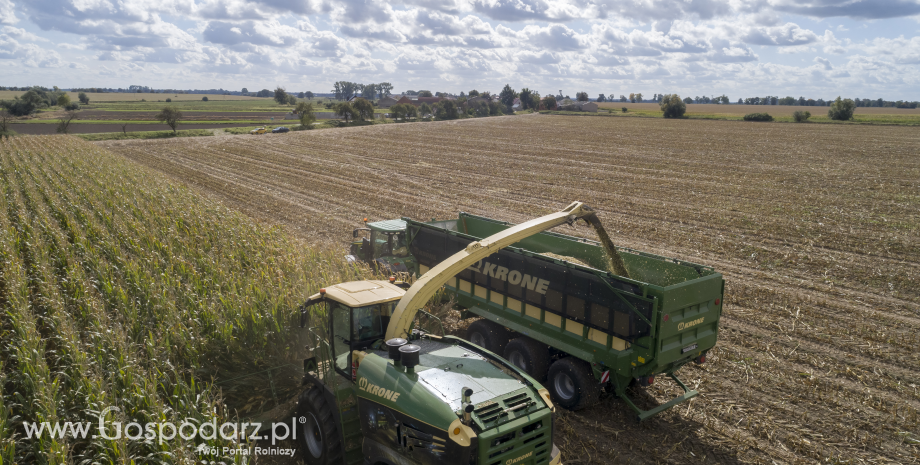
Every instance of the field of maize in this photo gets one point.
(814, 226)
(119, 288)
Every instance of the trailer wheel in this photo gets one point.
(488, 335)
(571, 384)
(318, 436)
(529, 355)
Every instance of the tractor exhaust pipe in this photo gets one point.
(468, 406)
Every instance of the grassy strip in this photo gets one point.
(146, 134)
(150, 122)
(898, 120)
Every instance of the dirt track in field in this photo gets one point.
(814, 226)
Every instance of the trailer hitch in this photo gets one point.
(646, 414)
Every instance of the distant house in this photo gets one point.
(387, 102)
(516, 105)
(405, 99)
(428, 100)
(590, 107)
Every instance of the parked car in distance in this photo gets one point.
(280, 129)
(258, 131)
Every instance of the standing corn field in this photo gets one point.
(122, 290)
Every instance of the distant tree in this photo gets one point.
(639, 97)
(345, 110)
(301, 95)
(204, 99)
(398, 111)
(168, 100)
(462, 94)
(83, 98)
(526, 101)
(424, 110)
(411, 110)
(581, 96)
(290, 99)
(496, 109)
(124, 129)
(309, 95)
(369, 91)
(601, 98)
(63, 126)
(364, 111)
(672, 106)
(485, 94)
(447, 109)
(841, 109)
(474, 93)
(305, 114)
(507, 96)
(63, 100)
(740, 101)
(280, 95)
(686, 100)
(5, 119)
(549, 102)
(801, 116)
(385, 89)
(264, 93)
(244, 91)
(170, 116)
(425, 93)
(632, 98)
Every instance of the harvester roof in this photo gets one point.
(361, 293)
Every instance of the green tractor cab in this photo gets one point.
(383, 246)
(427, 400)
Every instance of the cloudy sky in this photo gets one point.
(815, 48)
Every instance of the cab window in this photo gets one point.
(381, 243)
(398, 244)
(341, 335)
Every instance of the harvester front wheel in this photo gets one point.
(529, 355)
(318, 435)
(571, 384)
(488, 335)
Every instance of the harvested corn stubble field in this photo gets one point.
(814, 226)
(120, 288)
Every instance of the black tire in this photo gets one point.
(488, 335)
(319, 439)
(571, 384)
(529, 355)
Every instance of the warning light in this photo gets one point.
(667, 317)
(718, 301)
(322, 291)
(456, 430)
(392, 279)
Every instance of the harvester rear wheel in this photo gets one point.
(529, 355)
(488, 335)
(571, 384)
(318, 435)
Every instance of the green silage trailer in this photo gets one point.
(549, 306)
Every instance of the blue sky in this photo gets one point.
(811, 48)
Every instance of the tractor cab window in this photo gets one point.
(389, 244)
(398, 244)
(381, 243)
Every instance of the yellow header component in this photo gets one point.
(425, 287)
(460, 433)
(545, 395)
